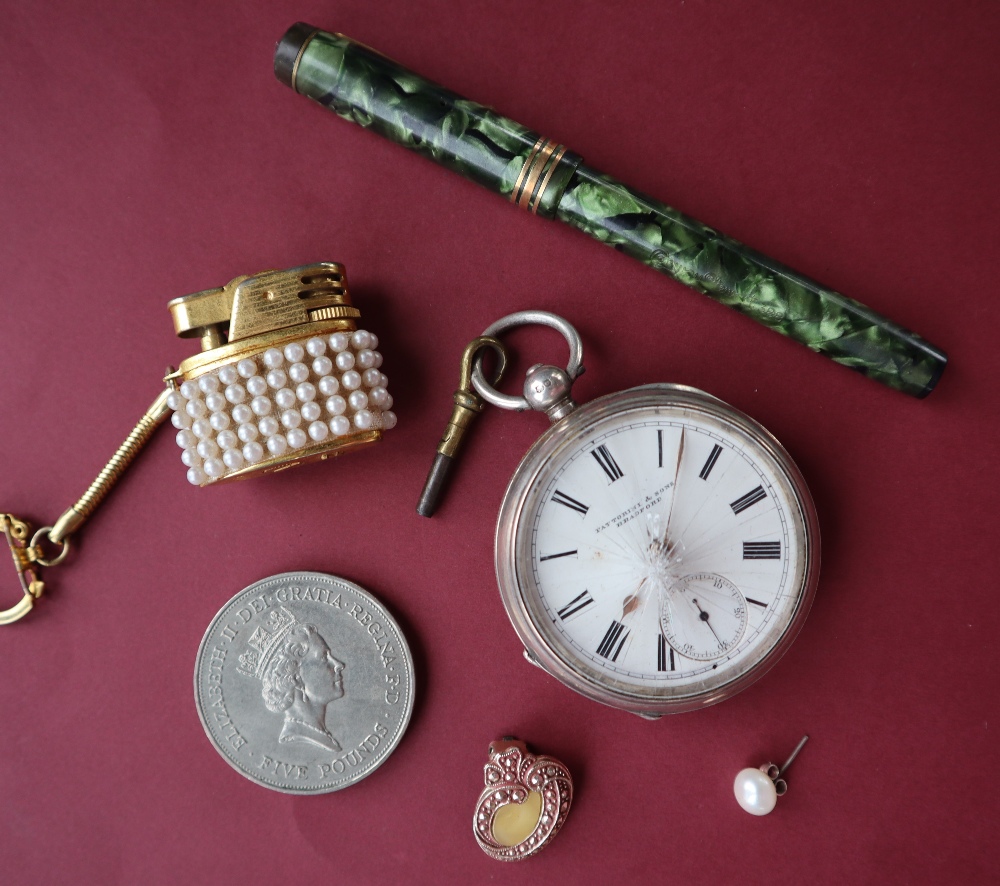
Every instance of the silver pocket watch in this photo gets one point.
(656, 550)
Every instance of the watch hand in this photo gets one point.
(631, 603)
(703, 615)
(673, 498)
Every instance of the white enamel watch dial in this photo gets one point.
(657, 550)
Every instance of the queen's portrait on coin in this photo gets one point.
(299, 677)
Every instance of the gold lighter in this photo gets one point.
(284, 377)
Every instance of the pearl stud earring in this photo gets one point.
(757, 790)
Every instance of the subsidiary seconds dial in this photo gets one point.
(702, 616)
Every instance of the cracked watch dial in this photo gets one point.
(657, 550)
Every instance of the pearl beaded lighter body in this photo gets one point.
(285, 376)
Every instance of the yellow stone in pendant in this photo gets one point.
(514, 823)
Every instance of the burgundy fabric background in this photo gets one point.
(146, 152)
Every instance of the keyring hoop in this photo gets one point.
(527, 318)
(45, 532)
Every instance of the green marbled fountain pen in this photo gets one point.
(545, 178)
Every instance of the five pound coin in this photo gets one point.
(304, 683)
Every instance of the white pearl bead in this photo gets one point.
(276, 378)
(322, 366)
(242, 414)
(228, 375)
(316, 347)
(227, 440)
(236, 393)
(373, 340)
(219, 421)
(378, 359)
(351, 380)
(291, 418)
(214, 467)
(388, 402)
(338, 341)
(371, 377)
(215, 402)
(269, 426)
(189, 390)
(208, 384)
(191, 458)
(366, 359)
(755, 791)
(364, 420)
(319, 431)
(176, 400)
(253, 452)
(202, 428)
(260, 405)
(246, 367)
(180, 420)
(379, 396)
(232, 459)
(256, 386)
(388, 420)
(297, 438)
(328, 385)
(298, 372)
(344, 361)
(207, 449)
(336, 405)
(384, 380)
(305, 392)
(196, 408)
(186, 439)
(277, 445)
(294, 352)
(272, 358)
(247, 433)
(361, 339)
(358, 400)
(196, 476)
(340, 426)
(285, 398)
(311, 410)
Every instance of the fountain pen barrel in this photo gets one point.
(367, 88)
(769, 292)
(537, 174)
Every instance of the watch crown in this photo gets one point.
(547, 389)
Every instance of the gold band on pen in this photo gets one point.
(548, 177)
(298, 57)
(536, 173)
(541, 158)
(516, 192)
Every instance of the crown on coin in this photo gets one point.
(265, 640)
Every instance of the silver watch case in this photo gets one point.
(528, 617)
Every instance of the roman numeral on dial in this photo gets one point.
(762, 550)
(664, 655)
(575, 605)
(545, 557)
(713, 457)
(745, 501)
(613, 641)
(607, 462)
(571, 503)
